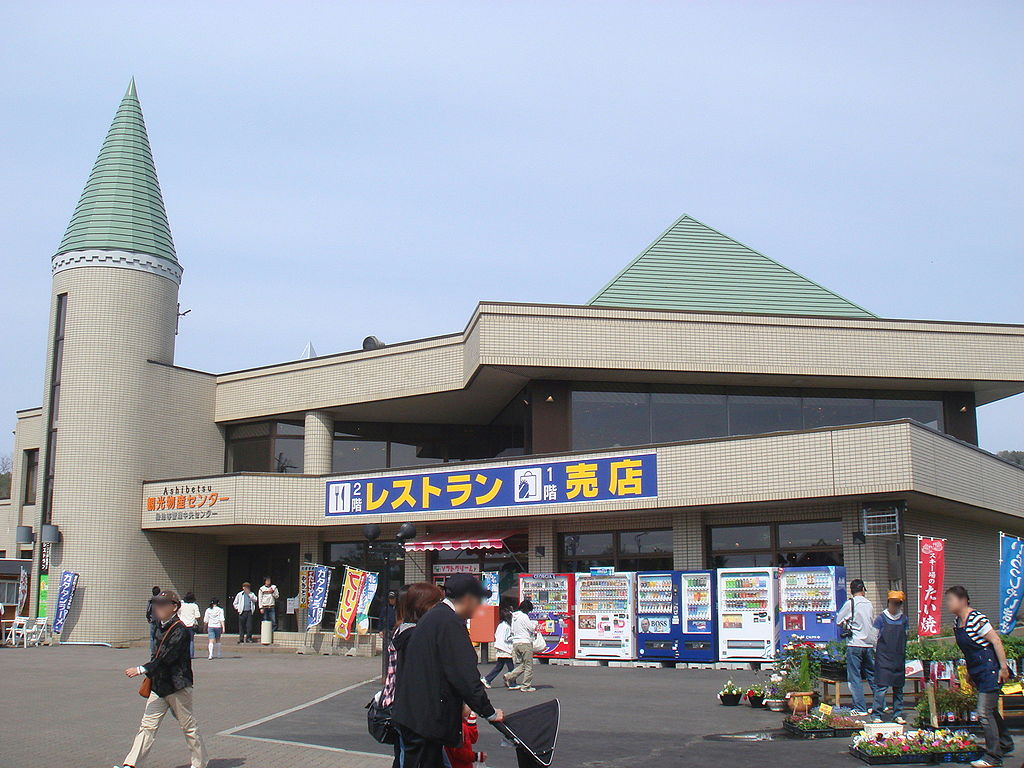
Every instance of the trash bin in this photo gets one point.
(266, 632)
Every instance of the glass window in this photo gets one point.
(928, 412)
(645, 542)
(355, 455)
(645, 564)
(249, 455)
(816, 534)
(687, 416)
(797, 559)
(404, 455)
(587, 544)
(742, 560)
(288, 455)
(245, 431)
(607, 419)
(31, 459)
(287, 428)
(728, 537)
(832, 411)
(756, 414)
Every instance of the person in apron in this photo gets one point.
(891, 657)
(986, 664)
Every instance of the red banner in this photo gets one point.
(931, 571)
(351, 588)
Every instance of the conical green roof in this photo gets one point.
(121, 208)
(692, 266)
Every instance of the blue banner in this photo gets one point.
(605, 478)
(68, 584)
(1011, 580)
(319, 584)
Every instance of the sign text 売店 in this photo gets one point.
(605, 478)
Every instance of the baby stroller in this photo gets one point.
(533, 732)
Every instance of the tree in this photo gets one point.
(1017, 457)
(5, 475)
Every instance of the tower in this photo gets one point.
(112, 326)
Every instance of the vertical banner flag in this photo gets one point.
(68, 583)
(319, 581)
(348, 602)
(1011, 579)
(363, 608)
(490, 580)
(931, 572)
(22, 592)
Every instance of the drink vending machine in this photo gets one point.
(809, 599)
(675, 615)
(605, 616)
(553, 598)
(746, 613)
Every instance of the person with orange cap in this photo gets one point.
(891, 657)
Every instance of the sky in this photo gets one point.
(335, 170)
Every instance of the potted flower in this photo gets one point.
(730, 694)
(915, 747)
(774, 699)
(755, 695)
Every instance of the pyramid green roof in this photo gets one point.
(122, 208)
(694, 267)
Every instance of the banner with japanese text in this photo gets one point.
(363, 609)
(1011, 580)
(351, 589)
(931, 570)
(604, 478)
(319, 582)
(68, 584)
(22, 592)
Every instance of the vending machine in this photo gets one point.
(675, 616)
(553, 598)
(808, 601)
(746, 613)
(605, 615)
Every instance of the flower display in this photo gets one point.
(811, 723)
(730, 689)
(915, 743)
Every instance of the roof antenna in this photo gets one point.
(180, 313)
(309, 352)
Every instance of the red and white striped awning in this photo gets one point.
(490, 541)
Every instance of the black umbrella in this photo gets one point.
(533, 731)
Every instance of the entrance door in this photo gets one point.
(251, 563)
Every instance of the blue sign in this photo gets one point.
(320, 582)
(68, 583)
(602, 570)
(606, 478)
(1011, 580)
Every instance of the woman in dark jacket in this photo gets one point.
(170, 676)
(891, 657)
(413, 601)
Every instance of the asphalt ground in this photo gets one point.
(72, 706)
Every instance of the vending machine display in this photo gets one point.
(553, 598)
(808, 601)
(746, 614)
(675, 616)
(605, 616)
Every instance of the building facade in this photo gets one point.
(708, 407)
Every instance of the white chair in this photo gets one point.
(37, 632)
(17, 631)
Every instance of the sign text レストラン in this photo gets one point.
(556, 482)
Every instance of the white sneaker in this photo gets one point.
(983, 763)
(899, 720)
(484, 681)
(858, 713)
(527, 688)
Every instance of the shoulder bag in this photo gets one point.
(146, 686)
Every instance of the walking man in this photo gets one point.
(858, 616)
(986, 664)
(169, 674)
(438, 674)
(269, 595)
(153, 623)
(245, 604)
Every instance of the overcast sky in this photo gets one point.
(332, 171)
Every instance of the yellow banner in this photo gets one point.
(351, 589)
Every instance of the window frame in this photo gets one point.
(617, 555)
(774, 549)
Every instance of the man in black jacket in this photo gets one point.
(438, 674)
(170, 675)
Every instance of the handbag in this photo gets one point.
(539, 643)
(379, 722)
(146, 686)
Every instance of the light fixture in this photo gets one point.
(406, 532)
(549, 399)
(23, 534)
(859, 537)
(963, 409)
(371, 531)
(539, 551)
(49, 534)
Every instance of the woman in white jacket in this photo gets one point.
(502, 645)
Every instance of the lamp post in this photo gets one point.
(387, 549)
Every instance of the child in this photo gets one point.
(463, 755)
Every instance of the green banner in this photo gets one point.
(44, 595)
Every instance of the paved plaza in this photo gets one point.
(71, 706)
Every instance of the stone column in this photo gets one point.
(319, 443)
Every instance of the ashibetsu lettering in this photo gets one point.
(558, 482)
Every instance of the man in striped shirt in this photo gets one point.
(986, 664)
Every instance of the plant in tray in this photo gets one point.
(915, 743)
